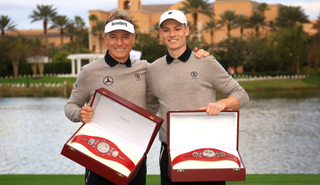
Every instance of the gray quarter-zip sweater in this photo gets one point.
(187, 83)
(126, 80)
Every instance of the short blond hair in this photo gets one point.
(119, 14)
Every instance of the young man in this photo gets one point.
(179, 81)
(115, 72)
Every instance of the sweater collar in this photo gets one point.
(183, 58)
(112, 62)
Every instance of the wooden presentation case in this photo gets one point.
(131, 128)
(191, 130)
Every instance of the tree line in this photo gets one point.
(282, 47)
(16, 50)
(275, 47)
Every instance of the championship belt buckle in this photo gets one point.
(209, 153)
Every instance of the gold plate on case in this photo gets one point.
(72, 149)
(120, 175)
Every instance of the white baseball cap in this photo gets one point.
(119, 24)
(173, 14)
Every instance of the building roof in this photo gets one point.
(156, 8)
(163, 7)
(32, 33)
(231, 0)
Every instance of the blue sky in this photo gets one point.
(19, 10)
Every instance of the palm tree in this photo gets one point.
(98, 29)
(6, 24)
(45, 13)
(256, 52)
(18, 48)
(262, 8)
(316, 25)
(313, 57)
(194, 7)
(242, 23)
(93, 17)
(71, 31)
(79, 24)
(154, 31)
(61, 22)
(235, 51)
(212, 26)
(36, 56)
(256, 20)
(291, 16)
(229, 18)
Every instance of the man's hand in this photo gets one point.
(213, 108)
(201, 53)
(86, 113)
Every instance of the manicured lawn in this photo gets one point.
(45, 79)
(281, 179)
(281, 84)
(35, 90)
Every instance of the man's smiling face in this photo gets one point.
(119, 44)
(174, 34)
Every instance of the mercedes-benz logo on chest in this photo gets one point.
(108, 80)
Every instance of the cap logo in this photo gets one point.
(119, 23)
(175, 15)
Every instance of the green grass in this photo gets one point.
(280, 84)
(313, 79)
(45, 79)
(281, 179)
(311, 82)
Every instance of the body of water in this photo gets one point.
(279, 133)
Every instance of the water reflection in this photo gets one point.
(279, 133)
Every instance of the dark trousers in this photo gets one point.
(165, 180)
(92, 178)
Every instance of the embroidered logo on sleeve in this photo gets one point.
(108, 80)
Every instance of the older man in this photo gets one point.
(180, 81)
(115, 72)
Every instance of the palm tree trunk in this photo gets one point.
(34, 69)
(309, 59)
(71, 43)
(211, 33)
(45, 32)
(298, 65)
(81, 40)
(15, 64)
(195, 20)
(241, 32)
(100, 38)
(41, 68)
(2, 34)
(61, 38)
(78, 42)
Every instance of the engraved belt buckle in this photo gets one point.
(209, 153)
